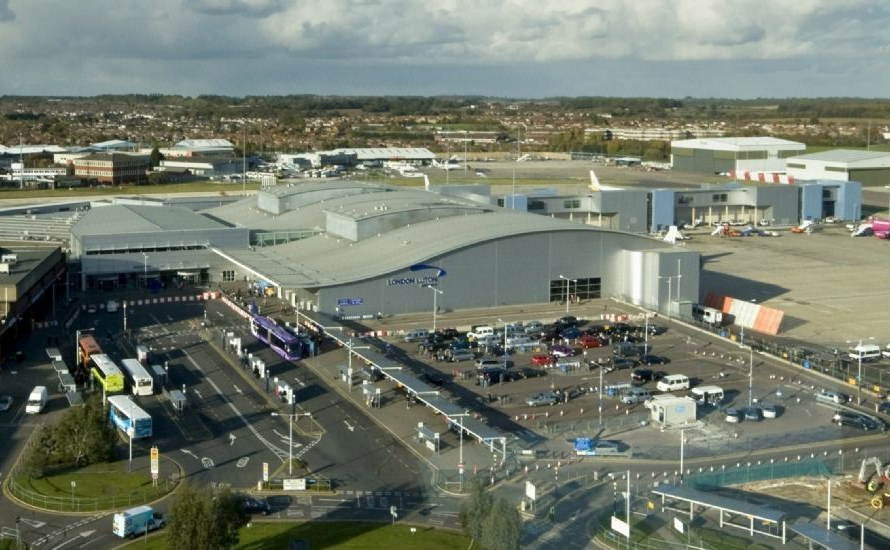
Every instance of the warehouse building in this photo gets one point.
(357, 250)
(733, 155)
(870, 168)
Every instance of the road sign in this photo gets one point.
(265, 471)
(154, 462)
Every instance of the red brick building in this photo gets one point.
(113, 168)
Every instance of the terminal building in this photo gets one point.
(355, 250)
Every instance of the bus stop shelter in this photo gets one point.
(760, 520)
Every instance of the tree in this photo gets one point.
(155, 158)
(84, 435)
(502, 529)
(39, 453)
(475, 510)
(201, 521)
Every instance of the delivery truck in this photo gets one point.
(137, 521)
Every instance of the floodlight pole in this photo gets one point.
(290, 437)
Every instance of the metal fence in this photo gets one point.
(92, 504)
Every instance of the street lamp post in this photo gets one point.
(859, 373)
(568, 283)
(145, 269)
(350, 347)
(436, 293)
(290, 437)
(505, 343)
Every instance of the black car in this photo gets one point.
(567, 321)
(623, 363)
(524, 372)
(856, 420)
(642, 375)
(253, 505)
(650, 359)
(451, 333)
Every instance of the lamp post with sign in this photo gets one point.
(436, 293)
(290, 437)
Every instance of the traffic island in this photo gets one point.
(94, 488)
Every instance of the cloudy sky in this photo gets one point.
(513, 48)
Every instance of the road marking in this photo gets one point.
(238, 390)
(231, 439)
(207, 462)
(188, 452)
(349, 427)
(81, 535)
(198, 393)
(33, 522)
(242, 462)
(300, 382)
(281, 454)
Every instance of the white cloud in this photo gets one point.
(453, 35)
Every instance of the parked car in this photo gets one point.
(543, 360)
(5, 403)
(754, 413)
(532, 326)
(560, 350)
(650, 359)
(544, 398)
(567, 321)
(856, 420)
(642, 375)
(623, 363)
(252, 505)
(832, 397)
(769, 410)
(570, 333)
(884, 407)
(489, 362)
(523, 373)
(588, 341)
(734, 416)
(92, 308)
(450, 333)
(461, 355)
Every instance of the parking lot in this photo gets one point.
(561, 398)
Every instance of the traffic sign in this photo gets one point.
(154, 462)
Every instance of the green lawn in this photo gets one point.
(335, 536)
(97, 487)
(172, 188)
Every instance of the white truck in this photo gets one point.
(137, 521)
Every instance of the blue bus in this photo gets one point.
(125, 413)
(282, 341)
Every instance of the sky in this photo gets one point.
(505, 48)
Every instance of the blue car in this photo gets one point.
(570, 333)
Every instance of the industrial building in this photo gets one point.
(112, 168)
(209, 167)
(356, 250)
(207, 148)
(419, 156)
(870, 168)
(733, 155)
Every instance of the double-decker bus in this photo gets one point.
(107, 374)
(284, 342)
(141, 383)
(124, 413)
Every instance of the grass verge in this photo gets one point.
(334, 536)
(95, 487)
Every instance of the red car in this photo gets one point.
(543, 360)
(590, 342)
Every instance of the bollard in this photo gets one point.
(582, 410)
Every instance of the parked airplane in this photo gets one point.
(808, 226)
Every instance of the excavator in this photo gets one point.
(875, 483)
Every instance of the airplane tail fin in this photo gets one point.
(594, 182)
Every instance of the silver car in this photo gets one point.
(545, 398)
(461, 355)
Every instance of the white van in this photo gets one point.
(707, 314)
(481, 332)
(673, 382)
(707, 395)
(416, 335)
(865, 352)
(37, 400)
